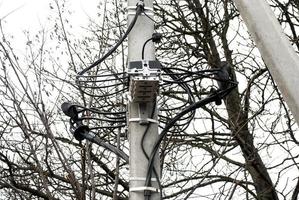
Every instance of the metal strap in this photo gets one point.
(141, 179)
(145, 8)
(132, 11)
(143, 188)
(140, 119)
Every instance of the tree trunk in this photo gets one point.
(255, 166)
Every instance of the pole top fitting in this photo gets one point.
(140, 4)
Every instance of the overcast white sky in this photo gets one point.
(20, 15)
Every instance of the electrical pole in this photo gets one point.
(142, 116)
(277, 52)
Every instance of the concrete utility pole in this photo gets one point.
(276, 50)
(141, 32)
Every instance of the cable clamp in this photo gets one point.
(140, 4)
(143, 120)
(141, 179)
(148, 10)
(143, 188)
(145, 8)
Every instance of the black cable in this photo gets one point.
(185, 86)
(102, 120)
(146, 155)
(104, 95)
(143, 47)
(140, 8)
(182, 120)
(190, 100)
(96, 110)
(119, 117)
(187, 71)
(190, 108)
(156, 38)
(103, 80)
(199, 76)
(150, 17)
(102, 75)
(107, 127)
(180, 81)
(101, 87)
(95, 139)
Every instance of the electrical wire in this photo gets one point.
(183, 85)
(140, 8)
(145, 153)
(102, 75)
(187, 89)
(95, 139)
(143, 47)
(96, 110)
(199, 76)
(182, 79)
(190, 108)
(101, 87)
(107, 127)
(191, 72)
(105, 95)
(102, 120)
(156, 38)
(104, 80)
(149, 17)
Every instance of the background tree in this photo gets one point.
(204, 33)
(245, 148)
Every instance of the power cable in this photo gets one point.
(95, 139)
(190, 108)
(156, 38)
(187, 89)
(147, 195)
(139, 10)
(102, 75)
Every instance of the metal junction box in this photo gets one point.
(144, 80)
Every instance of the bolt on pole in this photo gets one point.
(277, 52)
(142, 116)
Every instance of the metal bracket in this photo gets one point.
(143, 115)
(145, 68)
(143, 188)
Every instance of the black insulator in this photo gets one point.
(156, 37)
(69, 110)
(217, 98)
(223, 75)
(79, 131)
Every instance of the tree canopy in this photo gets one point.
(244, 147)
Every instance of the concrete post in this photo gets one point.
(276, 50)
(142, 31)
